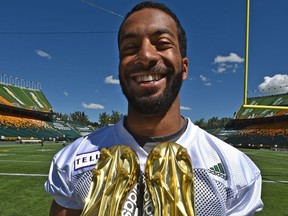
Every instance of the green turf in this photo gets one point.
(273, 166)
(25, 195)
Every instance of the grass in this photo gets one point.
(273, 166)
(25, 195)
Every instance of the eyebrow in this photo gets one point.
(163, 31)
(127, 36)
(157, 32)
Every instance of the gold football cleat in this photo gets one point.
(114, 175)
(169, 177)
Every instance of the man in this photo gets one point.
(152, 67)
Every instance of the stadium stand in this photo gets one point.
(30, 99)
(265, 128)
(271, 100)
(27, 116)
(81, 129)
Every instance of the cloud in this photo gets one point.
(231, 58)
(228, 63)
(190, 78)
(110, 80)
(185, 108)
(43, 54)
(207, 83)
(205, 80)
(92, 106)
(277, 84)
(65, 93)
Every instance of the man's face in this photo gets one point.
(151, 68)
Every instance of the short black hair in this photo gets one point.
(156, 5)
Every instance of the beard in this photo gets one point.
(159, 104)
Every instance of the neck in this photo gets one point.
(155, 124)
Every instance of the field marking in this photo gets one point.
(274, 181)
(20, 161)
(45, 150)
(46, 175)
(5, 155)
(4, 150)
(24, 174)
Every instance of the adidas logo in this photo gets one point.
(218, 170)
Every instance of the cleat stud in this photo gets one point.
(123, 172)
(126, 153)
(105, 152)
(182, 154)
(188, 176)
(95, 172)
(157, 176)
(183, 151)
(156, 152)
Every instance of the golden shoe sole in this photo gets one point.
(169, 177)
(114, 175)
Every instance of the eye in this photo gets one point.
(129, 49)
(163, 45)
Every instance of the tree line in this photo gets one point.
(107, 119)
(212, 123)
(81, 118)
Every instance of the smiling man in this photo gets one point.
(151, 67)
(154, 161)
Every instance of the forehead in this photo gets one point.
(147, 21)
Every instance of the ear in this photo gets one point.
(185, 68)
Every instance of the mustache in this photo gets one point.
(152, 69)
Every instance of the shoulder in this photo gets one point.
(240, 169)
(209, 150)
(89, 144)
(206, 141)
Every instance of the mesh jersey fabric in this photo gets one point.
(227, 182)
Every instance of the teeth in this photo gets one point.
(148, 78)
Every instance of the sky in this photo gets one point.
(70, 47)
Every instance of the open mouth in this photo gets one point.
(148, 78)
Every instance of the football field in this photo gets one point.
(24, 169)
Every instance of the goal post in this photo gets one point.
(245, 98)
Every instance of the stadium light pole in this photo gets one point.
(22, 83)
(10, 79)
(245, 102)
(5, 78)
(17, 81)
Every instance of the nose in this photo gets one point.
(147, 55)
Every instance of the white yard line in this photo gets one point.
(23, 174)
(45, 175)
(270, 181)
(21, 161)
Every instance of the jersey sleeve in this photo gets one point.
(248, 183)
(59, 186)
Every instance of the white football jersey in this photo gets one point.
(226, 181)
